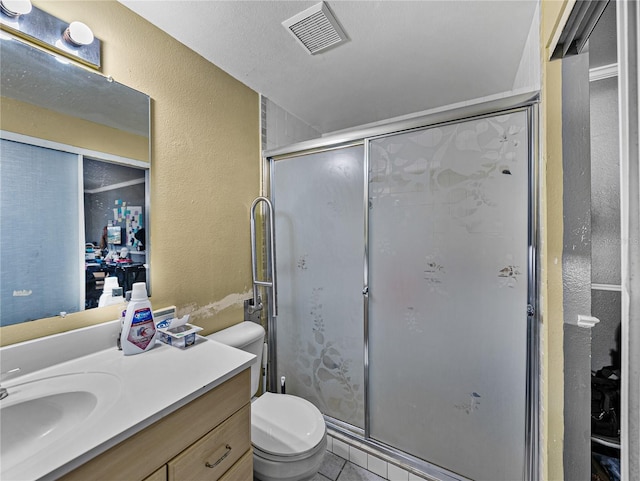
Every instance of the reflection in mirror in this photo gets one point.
(114, 227)
(97, 113)
(74, 160)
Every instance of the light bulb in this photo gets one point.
(78, 34)
(15, 8)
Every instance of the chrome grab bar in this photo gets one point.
(271, 261)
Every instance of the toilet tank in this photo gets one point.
(249, 337)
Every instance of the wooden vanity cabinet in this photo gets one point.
(216, 452)
(208, 439)
(159, 475)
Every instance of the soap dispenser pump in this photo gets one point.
(139, 330)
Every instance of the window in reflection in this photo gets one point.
(40, 269)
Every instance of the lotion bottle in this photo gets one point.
(139, 330)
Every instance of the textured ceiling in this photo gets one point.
(401, 57)
(99, 175)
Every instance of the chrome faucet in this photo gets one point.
(3, 392)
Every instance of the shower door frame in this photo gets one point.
(525, 102)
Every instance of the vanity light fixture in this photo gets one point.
(73, 40)
(78, 34)
(15, 8)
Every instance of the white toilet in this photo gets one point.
(288, 433)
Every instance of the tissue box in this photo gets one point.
(182, 336)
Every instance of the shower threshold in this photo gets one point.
(349, 443)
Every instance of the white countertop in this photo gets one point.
(152, 385)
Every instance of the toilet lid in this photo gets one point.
(285, 425)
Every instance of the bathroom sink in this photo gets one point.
(39, 412)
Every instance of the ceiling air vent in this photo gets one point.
(316, 29)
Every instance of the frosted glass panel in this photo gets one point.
(606, 335)
(318, 203)
(448, 294)
(40, 201)
(605, 182)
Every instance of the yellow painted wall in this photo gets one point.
(28, 119)
(552, 14)
(204, 172)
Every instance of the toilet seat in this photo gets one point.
(286, 426)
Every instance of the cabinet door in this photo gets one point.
(216, 452)
(159, 475)
(242, 470)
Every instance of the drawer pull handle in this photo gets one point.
(228, 450)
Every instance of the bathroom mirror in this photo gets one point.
(66, 126)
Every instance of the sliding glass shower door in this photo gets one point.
(403, 309)
(318, 204)
(448, 235)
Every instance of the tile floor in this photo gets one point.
(349, 462)
(345, 462)
(335, 468)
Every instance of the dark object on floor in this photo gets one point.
(605, 402)
(604, 468)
